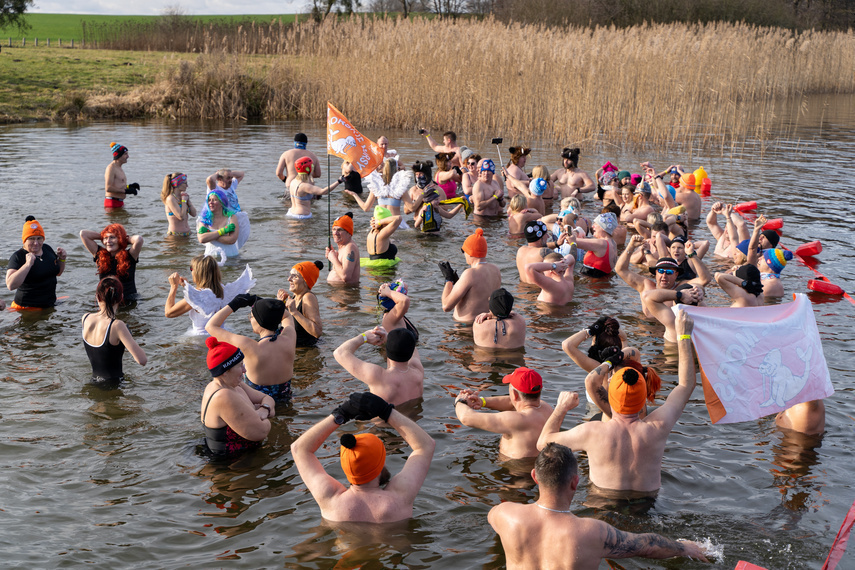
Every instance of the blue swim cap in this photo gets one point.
(488, 165)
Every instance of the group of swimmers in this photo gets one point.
(251, 375)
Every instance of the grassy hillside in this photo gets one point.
(68, 26)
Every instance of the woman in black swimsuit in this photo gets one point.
(383, 225)
(106, 338)
(235, 417)
(303, 306)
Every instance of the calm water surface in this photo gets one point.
(115, 478)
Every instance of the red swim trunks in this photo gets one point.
(113, 203)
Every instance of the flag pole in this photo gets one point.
(329, 205)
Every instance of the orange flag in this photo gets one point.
(345, 142)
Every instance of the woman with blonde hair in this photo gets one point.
(206, 295)
(176, 202)
(519, 214)
(388, 189)
(303, 190)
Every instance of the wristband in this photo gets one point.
(364, 338)
(483, 402)
(657, 176)
(183, 201)
(685, 337)
(459, 401)
(221, 231)
(496, 197)
(691, 255)
(679, 295)
(61, 260)
(609, 364)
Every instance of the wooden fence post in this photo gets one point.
(72, 42)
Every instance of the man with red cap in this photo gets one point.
(546, 534)
(286, 170)
(116, 186)
(468, 296)
(625, 453)
(344, 262)
(521, 414)
(374, 495)
(270, 359)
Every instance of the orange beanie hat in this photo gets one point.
(345, 222)
(362, 457)
(309, 271)
(475, 245)
(32, 228)
(688, 180)
(627, 391)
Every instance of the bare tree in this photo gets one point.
(12, 13)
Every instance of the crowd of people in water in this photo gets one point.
(637, 226)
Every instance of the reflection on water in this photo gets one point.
(115, 472)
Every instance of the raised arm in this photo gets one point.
(698, 266)
(173, 309)
(631, 278)
(754, 242)
(732, 285)
(345, 355)
(571, 347)
(88, 237)
(366, 204)
(409, 480)
(402, 302)
(552, 428)
(669, 412)
(320, 484)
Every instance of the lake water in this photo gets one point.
(114, 478)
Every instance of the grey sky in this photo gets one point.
(154, 7)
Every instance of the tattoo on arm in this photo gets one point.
(619, 544)
(351, 257)
(602, 394)
(544, 251)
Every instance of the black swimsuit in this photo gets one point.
(225, 440)
(106, 358)
(303, 336)
(390, 253)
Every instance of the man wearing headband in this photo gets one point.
(116, 186)
(344, 262)
(500, 327)
(401, 380)
(535, 250)
(570, 180)
(286, 170)
(521, 414)
(665, 273)
(466, 295)
(625, 453)
(546, 534)
(487, 193)
(270, 359)
(374, 495)
(554, 276)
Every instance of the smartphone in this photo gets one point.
(496, 141)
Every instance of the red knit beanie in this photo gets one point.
(222, 356)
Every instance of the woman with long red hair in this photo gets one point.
(115, 257)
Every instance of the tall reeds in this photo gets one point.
(653, 84)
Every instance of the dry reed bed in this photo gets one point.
(655, 84)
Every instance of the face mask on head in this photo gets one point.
(421, 181)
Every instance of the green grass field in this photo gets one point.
(69, 26)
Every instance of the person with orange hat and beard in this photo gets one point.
(468, 296)
(235, 417)
(33, 269)
(344, 263)
(270, 359)
(303, 306)
(521, 414)
(374, 495)
(625, 452)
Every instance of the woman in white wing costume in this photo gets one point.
(207, 295)
(388, 189)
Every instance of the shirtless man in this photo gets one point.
(554, 276)
(519, 155)
(344, 263)
(286, 171)
(269, 360)
(521, 413)
(658, 303)
(625, 453)
(374, 496)
(487, 192)
(500, 327)
(547, 534)
(665, 272)
(534, 251)
(383, 143)
(449, 144)
(686, 196)
(571, 181)
(401, 380)
(227, 180)
(116, 186)
(643, 208)
(467, 295)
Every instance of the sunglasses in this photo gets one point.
(661, 271)
(472, 164)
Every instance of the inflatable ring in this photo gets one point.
(378, 263)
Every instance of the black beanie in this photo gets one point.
(400, 344)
